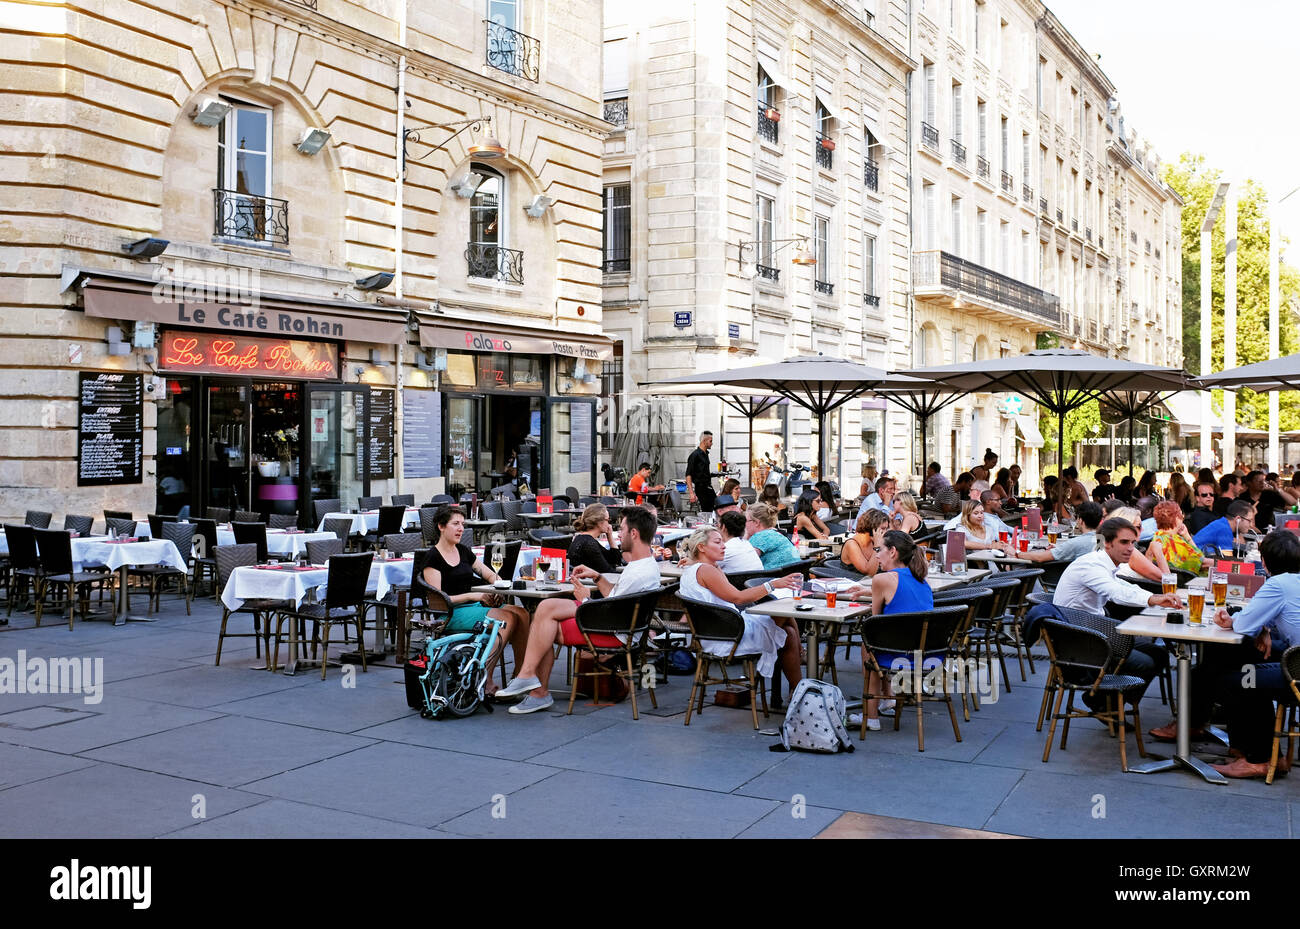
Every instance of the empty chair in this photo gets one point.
(341, 526)
(38, 519)
(1014, 615)
(251, 534)
(573, 494)
(319, 551)
(156, 524)
(749, 494)
(441, 499)
(509, 556)
(118, 514)
(492, 509)
(228, 558)
(973, 598)
(282, 521)
(511, 510)
(389, 522)
(55, 549)
(182, 536)
(24, 562)
(403, 499)
(402, 542)
(123, 528)
(370, 503)
(81, 525)
(246, 516)
(550, 538)
(322, 508)
(344, 603)
(205, 563)
(219, 514)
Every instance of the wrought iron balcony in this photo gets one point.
(982, 167)
(871, 175)
(870, 300)
(1042, 206)
(255, 219)
(769, 273)
(616, 111)
(617, 261)
(1008, 183)
(822, 287)
(824, 154)
(309, 4)
(929, 136)
(513, 52)
(1060, 215)
(958, 152)
(767, 128)
(983, 292)
(494, 263)
(1027, 193)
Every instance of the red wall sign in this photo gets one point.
(206, 353)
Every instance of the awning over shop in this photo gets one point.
(223, 307)
(480, 336)
(1028, 430)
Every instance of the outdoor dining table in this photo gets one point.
(121, 555)
(368, 520)
(992, 556)
(280, 541)
(547, 517)
(485, 524)
(815, 611)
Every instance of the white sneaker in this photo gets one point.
(855, 719)
(518, 687)
(532, 704)
(873, 725)
(887, 707)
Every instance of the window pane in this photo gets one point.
(869, 265)
(484, 212)
(251, 128)
(504, 13)
(250, 174)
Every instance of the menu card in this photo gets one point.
(1033, 519)
(110, 429)
(954, 549)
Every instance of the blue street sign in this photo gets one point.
(733, 330)
(682, 320)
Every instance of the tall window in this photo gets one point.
(982, 238)
(767, 127)
(244, 177)
(1008, 257)
(931, 104)
(956, 225)
(956, 111)
(930, 195)
(1024, 158)
(982, 129)
(869, 267)
(821, 249)
(823, 137)
(1026, 258)
(618, 228)
(764, 233)
(1005, 141)
(486, 254)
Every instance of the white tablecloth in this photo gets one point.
(99, 551)
(369, 520)
(278, 541)
(288, 583)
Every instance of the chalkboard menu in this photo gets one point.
(381, 433)
(421, 433)
(110, 429)
(580, 437)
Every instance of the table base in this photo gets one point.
(1157, 764)
(120, 615)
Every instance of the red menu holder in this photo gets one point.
(1034, 520)
(558, 557)
(954, 549)
(473, 506)
(1234, 567)
(545, 503)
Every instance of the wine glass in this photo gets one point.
(498, 559)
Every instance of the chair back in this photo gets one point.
(403, 499)
(81, 525)
(370, 503)
(55, 549)
(1003, 589)
(1052, 571)
(322, 508)
(206, 529)
(121, 527)
(435, 600)
(1291, 668)
(117, 514)
(442, 499)
(248, 533)
(320, 550)
(282, 521)
(38, 519)
(182, 536)
(710, 621)
(1120, 644)
(627, 615)
(390, 520)
(402, 542)
(349, 576)
(155, 526)
(230, 557)
(429, 525)
(22, 547)
(972, 598)
(749, 494)
(246, 516)
(573, 494)
(587, 500)
(341, 526)
(741, 579)
(548, 536)
(528, 506)
(219, 514)
(929, 632)
(833, 567)
(491, 509)
(1079, 655)
(511, 556)
(675, 498)
(1018, 602)
(510, 510)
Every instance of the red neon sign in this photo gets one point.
(247, 355)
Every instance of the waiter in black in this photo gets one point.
(699, 477)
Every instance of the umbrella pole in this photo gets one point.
(1131, 468)
(1060, 443)
(749, 460)
(821, 446)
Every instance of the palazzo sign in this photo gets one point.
(204, 353)
(489, 340)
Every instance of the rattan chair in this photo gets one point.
(1081, 661)
(400, 543)
(986, 632)
(218, 514)
(182, 536)
(205, 560)
(320, 550)
(442, 500)
(429, 525)
(1014, 615)
(252, 533)
(712, 623)
(282, 521)
(341, 526)
(510, 510)
(370, 503)
(118, 514)
(247, 516)
(38, 519)
(403, 499)
(344, 603)
(81, 525)
(1287, 721)
(550, 538)
(974, 599)
(323, 508)
(55, 549)
(388, 522)
(601, 621)
(228, 558)
(25, 565)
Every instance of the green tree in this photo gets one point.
(1195, 181)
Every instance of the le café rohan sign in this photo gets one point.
(248, 356)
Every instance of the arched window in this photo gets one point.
(488, 255)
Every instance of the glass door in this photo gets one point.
(337, 446)
(176, 428)
(229, 415)
(464, 442)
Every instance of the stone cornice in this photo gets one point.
(1067, 43)
(874, 40)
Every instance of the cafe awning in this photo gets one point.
(1028, 429)
(228, 305)
(487, 336)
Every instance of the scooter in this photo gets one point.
(787, 481)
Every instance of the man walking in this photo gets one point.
(699, 476)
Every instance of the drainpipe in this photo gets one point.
(398, 252)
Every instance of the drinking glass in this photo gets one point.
(1169, 583)
(1220, 586)
(1052, 533)
(830, 598)
(1195, 605)
(498, 559)
(797, 587)
(543, 569)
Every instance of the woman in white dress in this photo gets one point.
(703, 580)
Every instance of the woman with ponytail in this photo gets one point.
(586, 547)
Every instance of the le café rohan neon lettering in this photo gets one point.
(202, 353)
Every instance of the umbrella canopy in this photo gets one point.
(748, 402)
(1262, 376)
(1063, 379)
(818, 383)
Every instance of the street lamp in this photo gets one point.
(1274, 452)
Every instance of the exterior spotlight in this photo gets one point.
(209, 112)
(144, 249)
(313, 140)
(539, 205)
(377, 281)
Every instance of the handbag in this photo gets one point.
(608, 688)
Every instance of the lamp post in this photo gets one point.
(1207, 259)
(1274, 452)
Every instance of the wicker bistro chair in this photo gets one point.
(833, 567)
(1082, 660)
(550, 537)
(428, 525)
(25, 565)
(1287, 721)
(156, 523)
(205, 562)
(282, 521)
(320, 550)
(712, 623)
(601, 622)
(927, 635)
(228, 558)
(388, 522)
(510, 553)
(370, 503)
(402, 542)
(38, 519)
(974, 599)
(341, 526)
(117, 514)
(55, 548)
(246, 516)
(1014, 615)
(1052, 571)
(344, 603)
(182, 536)
(396, 609)
(254, 533)
(403, 499)
(442, 499)
(986, 631)
(515, 525)
(81, 525)
(218, 514)
(323, 508)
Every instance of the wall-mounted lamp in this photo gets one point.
(117, 345)
(802, 257)
(209, 112)
(538, 206)
(465, 185)
(489, 146)
(144, 249)
(377, 359)
(377, 281)
(312, 140)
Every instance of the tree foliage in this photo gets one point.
(1195, 181)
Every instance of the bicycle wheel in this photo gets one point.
(459, 680)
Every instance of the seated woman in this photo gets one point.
(806, 520)
(1172, 546)
(859, 552)
(585, 547)
(702, 579)
(979, 533)
(772, 497)
(775, 550)
(1002, 487)
(1140, 562)
(453, 568)
(906, 517)
(899, 587)
(829, 508)
(868, 486)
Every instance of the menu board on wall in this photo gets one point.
(381, 432)
(110, 429)
(580, 436)
(421, 433)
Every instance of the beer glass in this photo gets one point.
(1052, 532)
(1169, 583)
(1195, 605)
(830, 598)
(1220, 586)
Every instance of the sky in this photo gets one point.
(1212, 78)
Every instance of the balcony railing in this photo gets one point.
(958, 152)
(870, 300)
(495, 263)
(1042, 206)
(616, 111)
(513, 52)
(255, 219)
(1101, 241)
(768, 273)
(822, 287)
(824, 154)
(931, 269)
(871, 175)
(929, 136)
(1008, 183)
(1027, 193)
(1060, 215)
(1087, 233)
(767, 128)
(617, 261)
(982, 167)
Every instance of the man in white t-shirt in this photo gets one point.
(554, 622)
(739, 555)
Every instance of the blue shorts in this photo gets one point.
(465, 616)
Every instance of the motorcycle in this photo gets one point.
(788, 481)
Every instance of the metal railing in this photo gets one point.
(767, 128)
(1042, 206)
(871, 175)
(871, 300)
(616, 111)
(617, 261)
(929, 136)
(824, 154)
(255, 219)
(982, 166)
(958, 152)
(822, 287)
(494, 262)
(1008, 183)
(1027, 193)
(988, 286)
(768, 273)
(513, 52)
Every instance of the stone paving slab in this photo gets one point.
(117, 719)
(21, 765)
(285, 819)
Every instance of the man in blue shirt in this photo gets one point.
(882, 499)
(1224, 533)
(1247, 678)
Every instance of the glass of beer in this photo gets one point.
(1220, 585)
(1169, 583)
(1004, 536)
(830, 598)
(1024, 542)
(1195, 604)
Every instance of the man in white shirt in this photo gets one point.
(882, 499)
(554, 622)
(739, 555)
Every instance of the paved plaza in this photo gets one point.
(177, 747)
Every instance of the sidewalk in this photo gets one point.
(177, 747)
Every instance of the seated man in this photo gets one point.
(725, 503)
(992, 504)
(1226, 532)
(739, 555)
(882, 499)
(934, 479)
(1069, 549)
(1104, 489)
(554, 621)
(1221, 674)
(1202, 513)
(640, 483)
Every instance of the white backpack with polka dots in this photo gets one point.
(815, 720)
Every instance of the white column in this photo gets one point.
(1230, 327)
(1207, 300)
